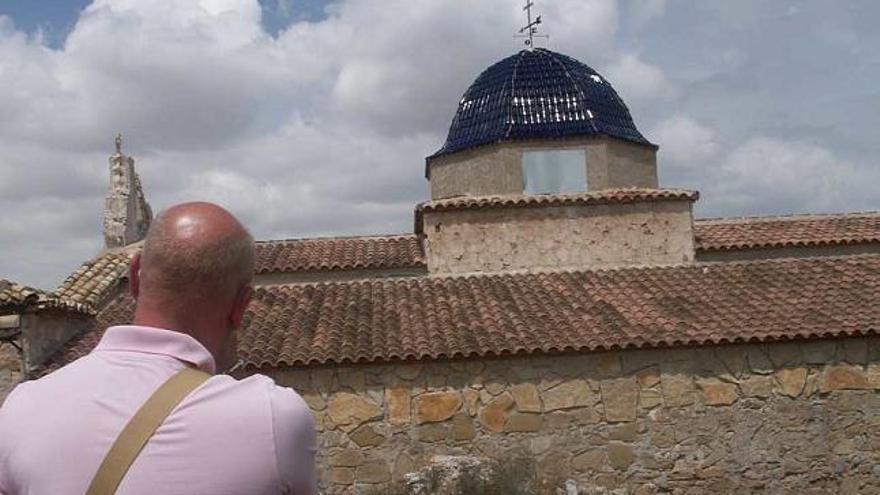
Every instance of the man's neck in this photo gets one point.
(147, 316)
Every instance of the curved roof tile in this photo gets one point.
(725, 234)
(339, 253)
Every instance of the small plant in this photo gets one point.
(516, 477)
(470, 476)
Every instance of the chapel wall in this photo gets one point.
(796, 417)
(578, 236)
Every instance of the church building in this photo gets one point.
(555, 305)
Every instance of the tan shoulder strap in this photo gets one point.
(141, 427)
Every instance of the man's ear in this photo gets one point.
(242, 300)
(134, 276)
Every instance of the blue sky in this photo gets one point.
(308, 119)
(56, 18)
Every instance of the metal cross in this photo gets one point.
(530, 30)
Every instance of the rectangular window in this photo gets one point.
(554, 171)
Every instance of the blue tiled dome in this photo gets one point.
(538, 94)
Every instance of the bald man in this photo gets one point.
(192, 286)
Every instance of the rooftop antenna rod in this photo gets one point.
(530, 30)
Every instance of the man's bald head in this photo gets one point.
(195, 276)
(196, 251)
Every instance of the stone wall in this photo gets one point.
(10, 369)
(43, 333)
(496, 239)
(497, 168)
(777, 418)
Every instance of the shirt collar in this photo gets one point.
(152, 340)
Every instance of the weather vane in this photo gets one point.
(119, 144)
(530, 30)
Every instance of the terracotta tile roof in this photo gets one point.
(95, 280)
(339, 253)
(490, 315)
(16, 298)
(606, 196)
(792, 231)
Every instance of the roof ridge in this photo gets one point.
(85, 265)
(616, 195)
(705, 265)
(596, 192)
(339, 238)
(786, 217)
(510, 105)
(20, 297)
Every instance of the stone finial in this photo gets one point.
(127, 215)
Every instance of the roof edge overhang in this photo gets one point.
(600, 197)
(413, 358)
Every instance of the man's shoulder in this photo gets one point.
(28, 393)
(286, 402)
(14, 399)
(281, 398)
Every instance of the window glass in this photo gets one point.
(554, 171)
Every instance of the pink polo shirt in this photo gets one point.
(228, 436)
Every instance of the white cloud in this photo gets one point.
(685, 143)
(639, 82)
(766, 173)
(644, 11)
(762, 175)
